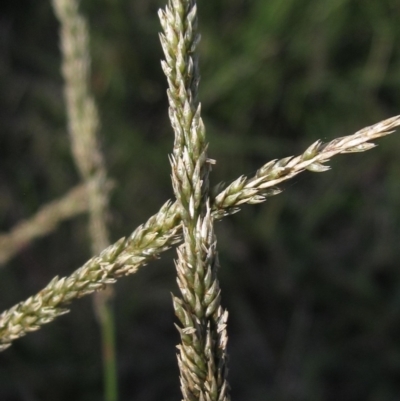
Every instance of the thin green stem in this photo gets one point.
(106, 319)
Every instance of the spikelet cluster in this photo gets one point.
(163, 230)
(202, 352)
(120, 259)
(261, 186)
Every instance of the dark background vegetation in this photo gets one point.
(311, 277)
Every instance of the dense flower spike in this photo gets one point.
(262, 185)
(163, 230)
(202, 353)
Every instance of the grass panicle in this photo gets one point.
(83, 124)
(261, 186)
(202, 352)
(163, 230)
(83, 120)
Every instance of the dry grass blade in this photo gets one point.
(43, 222)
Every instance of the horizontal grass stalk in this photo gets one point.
(163, 230)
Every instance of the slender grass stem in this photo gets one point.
(83, 124)
(46, 220)
(108, 348)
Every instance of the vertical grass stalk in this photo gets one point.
(202, 353)
(83, 124)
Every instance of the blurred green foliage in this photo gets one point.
(311, 278)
